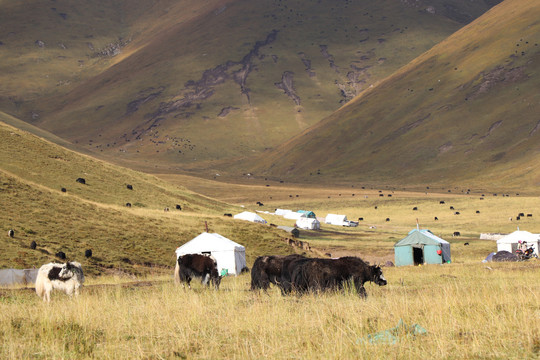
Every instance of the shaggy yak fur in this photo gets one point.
(190, 266)
(304, 275)
(67, 277)
(267, 269)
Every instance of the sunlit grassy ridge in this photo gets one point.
(94, 215)
(463, 112)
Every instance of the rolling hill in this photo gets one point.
(169, 86)
(464, 112)
(41, 199)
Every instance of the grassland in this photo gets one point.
(130, 309)
(469, 311)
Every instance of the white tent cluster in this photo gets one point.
(230, 256)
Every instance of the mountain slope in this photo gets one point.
(465, 111)
(170, 83)
(93, 215)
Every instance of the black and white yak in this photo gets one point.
(67, 277)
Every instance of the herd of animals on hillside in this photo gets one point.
(292, 273)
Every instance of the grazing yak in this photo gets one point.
(196, 265)
(267, 269)
(305, 275)
(67, 277)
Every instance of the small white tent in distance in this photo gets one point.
(308, 223)
(228, 254)
(249, 216)
(511, 241)
(335, 219)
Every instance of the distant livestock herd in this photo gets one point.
(292, 273)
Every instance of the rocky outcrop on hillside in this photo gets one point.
(286, 84)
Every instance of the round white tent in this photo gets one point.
(250, 216)
(510, 242)
(228, 254)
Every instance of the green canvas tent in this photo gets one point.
(307, 213)
(421, 247)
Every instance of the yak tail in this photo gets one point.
(177, 273)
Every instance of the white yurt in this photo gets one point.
(282, 212)
(250, 216)
(511, 241)
(308, 223)
(229, 255)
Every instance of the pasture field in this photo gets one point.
(470, 311)
(480, 211)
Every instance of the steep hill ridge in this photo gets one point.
(465, 111)
(168, 83)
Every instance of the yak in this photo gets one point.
(267, 269)
(196, 265)
(312, 275)
(67, 277)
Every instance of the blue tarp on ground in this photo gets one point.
(392, 336)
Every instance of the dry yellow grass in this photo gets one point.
(469, 311)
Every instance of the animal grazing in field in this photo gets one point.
(33, 245)
(67, 277)
(88, 253)
(61, 255)
(435, 218)
(441, 202)
(130, 187)
(63, 189)
(415, 208)
(227, 214)
(178, 207)
(305, 275)
(466, 244)
(456, 233)
(267, 269)
(190, 266)
(11, 233)
(81, 181)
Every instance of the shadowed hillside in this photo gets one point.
(165, 83)
(465, 111)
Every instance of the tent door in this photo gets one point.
(418, 255)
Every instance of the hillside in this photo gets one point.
(94, 215)
(167, 85)
(465, 112)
